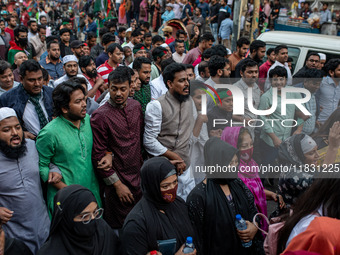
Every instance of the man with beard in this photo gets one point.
(6, 77)
(23, 211)
(20, 44)
(205, 42)
(169, 124)
(242, 46)
(88, 68)
(77, 48)
(328, 95)
(219, 69)
(12, 23)
(71, 67)
(39, 41)
(19, 58)
(52, 62)
(139, 51)
(115, 52)
(257, 52)
(31, 100)
(117, 127)
(67, 142)
(143, 67)
(33, 28)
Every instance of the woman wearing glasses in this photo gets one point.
(77, 226)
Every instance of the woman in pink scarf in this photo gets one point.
(143, 11)
(240, 138)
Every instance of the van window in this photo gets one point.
(328, 55)
(292, 52)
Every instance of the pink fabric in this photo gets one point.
(144, 5)
(197, 61)
(250, 178)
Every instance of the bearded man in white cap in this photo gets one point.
(23, 211)
(71, 68)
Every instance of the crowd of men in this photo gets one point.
(91, 111)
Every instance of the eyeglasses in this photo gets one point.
(87, 218)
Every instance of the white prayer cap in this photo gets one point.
(322, 56)
(69, 58)
(164, 45)
(307, 144)
(170, 5)
(6, 112)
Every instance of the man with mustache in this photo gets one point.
(39, 41)
(52, 62)
(88, 68)
(71, 69)
(7, 81)
(169, 124)
(31, 100)
(117, 128)
(143, 67)
(67, 142)
(20, 44)
(23, 212)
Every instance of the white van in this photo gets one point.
(300, 44)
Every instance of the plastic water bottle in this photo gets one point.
(189, 246)
(242, 225)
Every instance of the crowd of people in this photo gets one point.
(104, 131)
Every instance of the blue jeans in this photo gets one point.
(214, 28)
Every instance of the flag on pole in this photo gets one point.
(102, 6)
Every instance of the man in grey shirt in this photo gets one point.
(23, 211)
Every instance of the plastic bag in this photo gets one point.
(314, 19)
(316, 5)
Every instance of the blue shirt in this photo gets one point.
(54, 70)
(205, 9)
(329, 97)
(325, 16)
(168, 16)
(226, 29)
(91, 28)
(226, 8)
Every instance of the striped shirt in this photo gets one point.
(104, 70)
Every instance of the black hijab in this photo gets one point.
(70, 237)
(153, 172)
(220, 234)
(290, 151)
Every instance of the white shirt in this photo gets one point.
(196, 70)
(157, 87)
(153, 125)
(303, 224)
(66, 78)
(30, 35)
(30, 116)
(289, 77)
(178, 58)
(105, 99)
(177, 11)
(197, 149)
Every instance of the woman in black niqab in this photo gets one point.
(213, 213)
(70, 237)
(146, 224)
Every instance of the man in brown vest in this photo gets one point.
(169, 123)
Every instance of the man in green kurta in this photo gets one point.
(67, 142)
